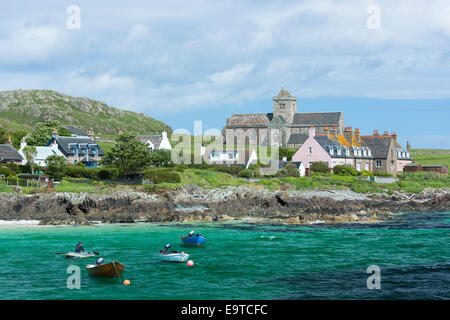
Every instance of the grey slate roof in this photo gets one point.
(251, 118)
(154, 139)
(317, 118)
(297, 138)
(76, 131)
(9, 153)
(379, 146)
(67, 145)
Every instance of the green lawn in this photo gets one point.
(431, 156)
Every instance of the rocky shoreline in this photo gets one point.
(192, 203)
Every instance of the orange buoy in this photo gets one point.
(190, 263)
(126, 282)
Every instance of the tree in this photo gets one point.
(30, 152)
(44, 131)
(160, 158)
(128, 155)
(285, 152)
(56, 166)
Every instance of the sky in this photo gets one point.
(384, 63)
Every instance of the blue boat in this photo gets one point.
(194, 239)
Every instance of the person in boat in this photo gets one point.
(166, 248)
(191, 233)
(79, 247)
(98, 262)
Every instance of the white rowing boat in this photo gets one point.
(79, 254)
(173, 256)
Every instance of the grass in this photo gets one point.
(431, 156)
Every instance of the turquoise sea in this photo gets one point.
(241, 260)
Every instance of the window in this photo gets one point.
(378, 163)
(309, 150)
(347, 151)
(282, 106)
(331, 150)
(338, 150)
(358, 166)
(366, 166)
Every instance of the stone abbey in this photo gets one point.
(255, 128)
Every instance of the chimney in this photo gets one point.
(164, 135)
(394, 137)
(385, 133)
(9, 141)
(312, 131)
(357, 134)
(325, 130)
(334, 132)
(91, 134)
(348, 133)
(55, 133)
(375, 133)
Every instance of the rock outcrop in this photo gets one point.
(192, 203)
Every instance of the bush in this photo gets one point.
(382, 174)
(246, 173)
(320, 167)
(345, 170)
(234, 170)
(366, 173)
(6, 171)
(161, 176)
(289, 171)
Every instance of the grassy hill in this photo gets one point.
(23, 109)
(431, 156)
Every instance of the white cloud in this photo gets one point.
(30, 44)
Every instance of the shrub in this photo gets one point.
(161, 176)
(366, 173)
(246, 173)
(232, 169)
(6, 171)
(345, 170)
(320, 167)
(382, 174)
(289, 171)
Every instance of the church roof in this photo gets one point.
(317, 118)
(251, 118)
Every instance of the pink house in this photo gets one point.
(333, 150)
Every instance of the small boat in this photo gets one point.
(195, 240)
(107, 270)
(79, 254)
(173, 256)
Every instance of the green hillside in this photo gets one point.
(23, 109)
(431, 156)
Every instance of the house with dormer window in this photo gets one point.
(78, 149)
(335, 149)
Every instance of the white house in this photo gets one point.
(42, 153)
(241, 156)
(156, 142)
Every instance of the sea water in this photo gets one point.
(241, 260)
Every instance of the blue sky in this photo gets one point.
(181, 61)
